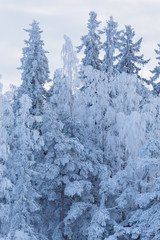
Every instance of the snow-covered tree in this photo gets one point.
(129, 61)
(6, 126)
(156, 73)
(21, 166)
(91, 99)
(126, 127)
(70, 67)
(108, 108)
(70, 62)
(34, 77)
(156, 70)
(109, 47)
(35, 69)
(138, 196)
(71, 170)
(63, 179)
(60, 94)
(91, 43)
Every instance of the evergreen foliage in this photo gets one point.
(109, 47)
(23, 198)
(156, 73)
(129, 61)
(35, 68)
(91, 43)
(6, 126)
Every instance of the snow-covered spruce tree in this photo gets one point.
(25, 141)
(156, 73)
(109, 47)
(35, 69)
(129, 61)
(34, 76)
(91, 43)
(6, 126)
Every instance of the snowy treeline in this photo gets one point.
(81, 161)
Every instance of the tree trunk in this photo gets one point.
(62, 211)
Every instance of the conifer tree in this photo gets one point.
(6, 126)
(109, 47)
(26, 141)
(156, 73)
(129, 61)
(91, 43)
(34, 76)
(35, 69)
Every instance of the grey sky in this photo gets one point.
(70, 17)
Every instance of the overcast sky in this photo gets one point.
(70, 17)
